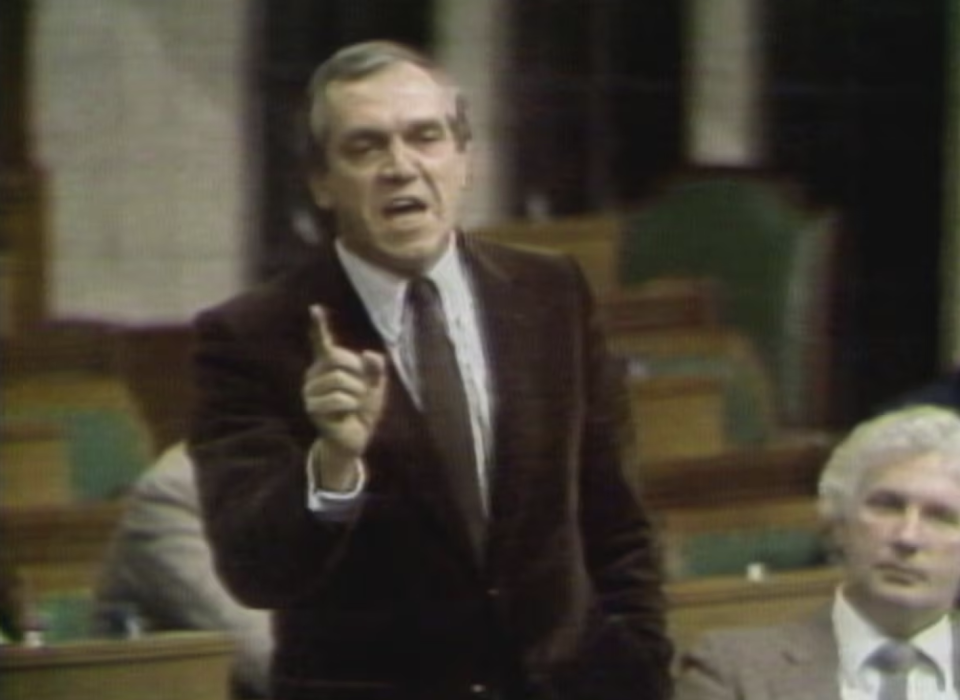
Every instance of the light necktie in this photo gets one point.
(894, 660)
(444, 401)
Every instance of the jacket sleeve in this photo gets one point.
(621, 548)
(249, 440)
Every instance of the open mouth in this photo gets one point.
(404, 206)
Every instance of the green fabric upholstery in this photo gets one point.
(729, 553)
(65, 617)
(768, 255)
(106, 447)
(745, 420)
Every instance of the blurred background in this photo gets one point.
(763, 193)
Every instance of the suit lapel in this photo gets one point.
(810, 650)
(810, 654)
(502, 330)
(505, 313)
(346, 314)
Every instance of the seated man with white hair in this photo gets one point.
(890, 497)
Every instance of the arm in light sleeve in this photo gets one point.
(161, 562)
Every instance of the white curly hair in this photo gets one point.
(887, 439)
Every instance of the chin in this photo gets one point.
(419, 247)
(904, 597)
(409, 260)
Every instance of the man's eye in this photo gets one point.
(361, 146)
(944, 516)
(884, 503)
(429, 135)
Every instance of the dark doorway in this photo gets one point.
(856, 113)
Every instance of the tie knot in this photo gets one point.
(422, 293)
(895, 657)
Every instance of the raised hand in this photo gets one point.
(343, 393)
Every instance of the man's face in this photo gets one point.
(395, 172)
(901, 544)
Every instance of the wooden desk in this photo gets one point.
(784, 468)
(58, 548)
(699, 605)
(167, 666)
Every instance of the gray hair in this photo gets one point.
(358, 61)
(890, 438)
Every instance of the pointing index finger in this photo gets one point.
(320, 334)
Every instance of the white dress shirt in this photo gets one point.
(384, 296)
(858, 639)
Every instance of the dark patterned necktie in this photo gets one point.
(894, 660)
(444, 402)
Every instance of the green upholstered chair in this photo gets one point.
(107, 442)
(716, 352)
(65, 616)
(771, 258)
(744, 420)
(725, 539)
(730, 552)
(105, 447)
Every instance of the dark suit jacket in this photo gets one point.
(794, 661)
(392, 601)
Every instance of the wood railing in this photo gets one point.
(181, 665)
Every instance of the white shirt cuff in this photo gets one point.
(334, 503)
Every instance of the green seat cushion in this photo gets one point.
(744, 419)
(106, 447)
(729, 553)
(768, 255)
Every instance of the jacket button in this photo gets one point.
(493, 592)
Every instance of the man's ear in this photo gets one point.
(322, 196)
(834, 535)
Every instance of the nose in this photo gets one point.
(399, 163)
(908, 531)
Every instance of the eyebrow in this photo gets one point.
(363, 134)
(369, 132)
(427, 123)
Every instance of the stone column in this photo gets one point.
(141, 116)
(472, 44)
(724, 83)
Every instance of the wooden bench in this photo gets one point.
(665, 303)
(699, 605)
(593, 241)
(677, 417)
(58, 548)
(181, 665)
(788, 466)
(731, 538)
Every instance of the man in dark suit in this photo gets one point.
(890, 495)
(477, 540)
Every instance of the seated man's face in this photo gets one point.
(901, 544)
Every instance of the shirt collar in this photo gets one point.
(383, 292)
(858, 639)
